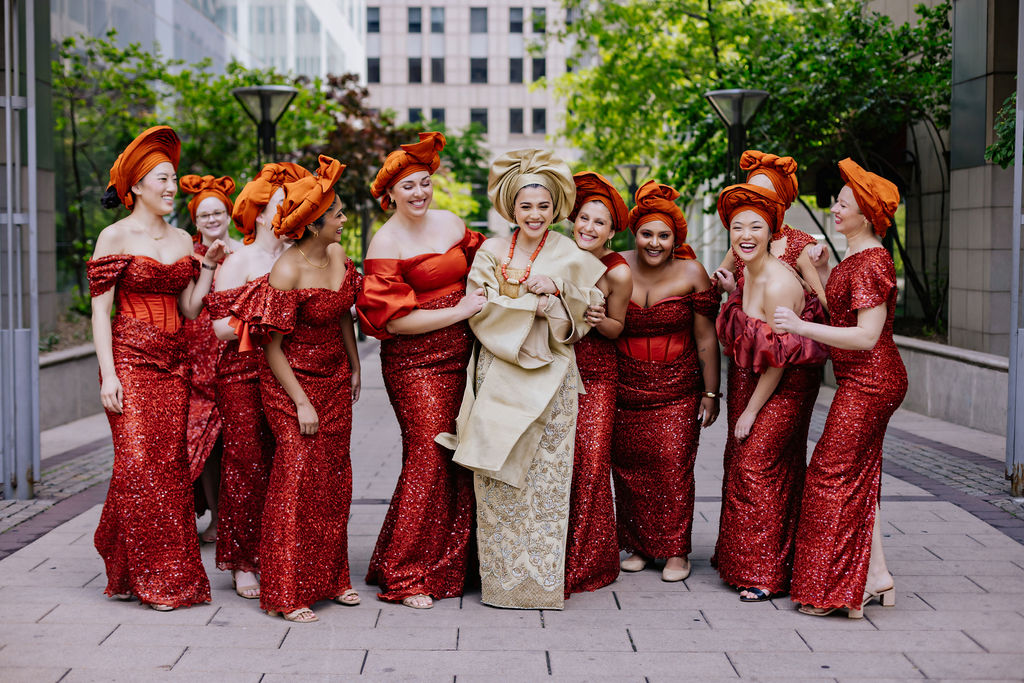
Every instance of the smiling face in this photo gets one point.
(332, 223)
(412, 194)
(212, 219)
(593, 226)
(534, 210)
(848, 217)
(749, 234)
(157, 188)
(655, 241)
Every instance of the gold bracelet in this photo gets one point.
(712, 394)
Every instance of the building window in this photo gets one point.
(515, 70)
(571, 15)
(540, 120)
(515, 19)
(478, 20)
(373, 19)
(479, 117)
(437, 69)
(373, 70)
(437, 19)
(437, 115)
(478, 70)
(569, 65)
(415, 20)
(415, 70)
(539, 20)
(540, 68)
(416, 115)
(515, 121)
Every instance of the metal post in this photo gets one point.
(737, 144)
(1015, 408)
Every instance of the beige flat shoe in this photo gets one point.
(672, 575)
(633, 563)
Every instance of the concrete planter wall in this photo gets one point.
(69, 386)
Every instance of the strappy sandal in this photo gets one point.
(302, 615)
(759, 595)
(123, 597)
(349, 598)
(245, 591)
(410, 601)
(158, 607)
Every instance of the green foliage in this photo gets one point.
(1001, 151)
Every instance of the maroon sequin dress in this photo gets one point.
(304, 545)
(423, 544)
(592, 547)
(843, 484)
(204, 423)
(761, 505)
(656, 430)
(248, 446)
(147, 532)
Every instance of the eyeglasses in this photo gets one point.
(207, 216)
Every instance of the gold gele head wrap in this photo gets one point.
(515, 170)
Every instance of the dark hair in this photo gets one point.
(110, 200)
(532, 185)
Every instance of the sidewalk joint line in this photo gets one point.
(907, 657)
(705, 618)
(547, 658)
(968, 635)
(937, 556)
(918, 596)
(976, 583)
(41, 563)
(178, 659)
(47, 613)
(542, 625)
(213, 616)
(377, 620)
(615, 595)
(733, 665)
(64, 675)
(457, 633)
(366, 653)
(801, 637)
(92, 579)
(109, 634)
(287, 631)
(631, 643)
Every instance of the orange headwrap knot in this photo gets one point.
(746, 197)
(306, 199)
(420, 156)
(207, 186)
(152, 147)
(876, 196)
(591, 187)
(256, 194)
(656, 202)
(781, 171)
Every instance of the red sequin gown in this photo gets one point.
(248, 446)
(843, 484)
(656, 430)
(761, 505)
(592, 547)
(147, 533)
(304, 545)
(204, 422)
(423, 544)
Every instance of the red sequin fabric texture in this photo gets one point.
(204, 422)
(592, 546)
(843, 483)
(147, 533)
(304, 545)
(761, 505)
(656, 431)
(248, 447)
(423, 544)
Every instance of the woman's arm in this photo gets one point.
(420, 321)
(707, 356)
(191, 300)
(611, 324)
(232, 274)
(861, 337)
(811, 275)
(309, 421)
(348, 337)
(766, 385)
(111, 392)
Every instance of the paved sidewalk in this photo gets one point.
(959, 577)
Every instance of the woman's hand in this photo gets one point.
(744, 424)
(786, 320)
(726, 280)
(215, 254)
(309, 421)
(471, 304)
(595, 315)
(356, 385)
(708, 411)
(540, 284)
(111, 394)
(818, 255)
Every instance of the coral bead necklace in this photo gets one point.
(511, 251)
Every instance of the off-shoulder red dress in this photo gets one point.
(147, 532)
(423, 544)
(843, 483)
(248, 446)
(656, 430)
(766, 470)
(592, 548)
(304, 545)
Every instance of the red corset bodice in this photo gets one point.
(146, 289)
(664, 332)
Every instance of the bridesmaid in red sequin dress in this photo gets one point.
(210, 210)
(147, 534)
(771, 375)
(592, 548)
(414, 299)
(668, 386)
(308, 386)
(839, 561)
(248, 441)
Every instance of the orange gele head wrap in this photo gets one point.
(207, 186)
(656, 202)
(421, 156)
(256, 194)
(876, 196)
(151, 148)
(591, 187)
(781, 171)
(746, 197)
(306, 199)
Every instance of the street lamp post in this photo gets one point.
(736, 108)
(265, 104)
